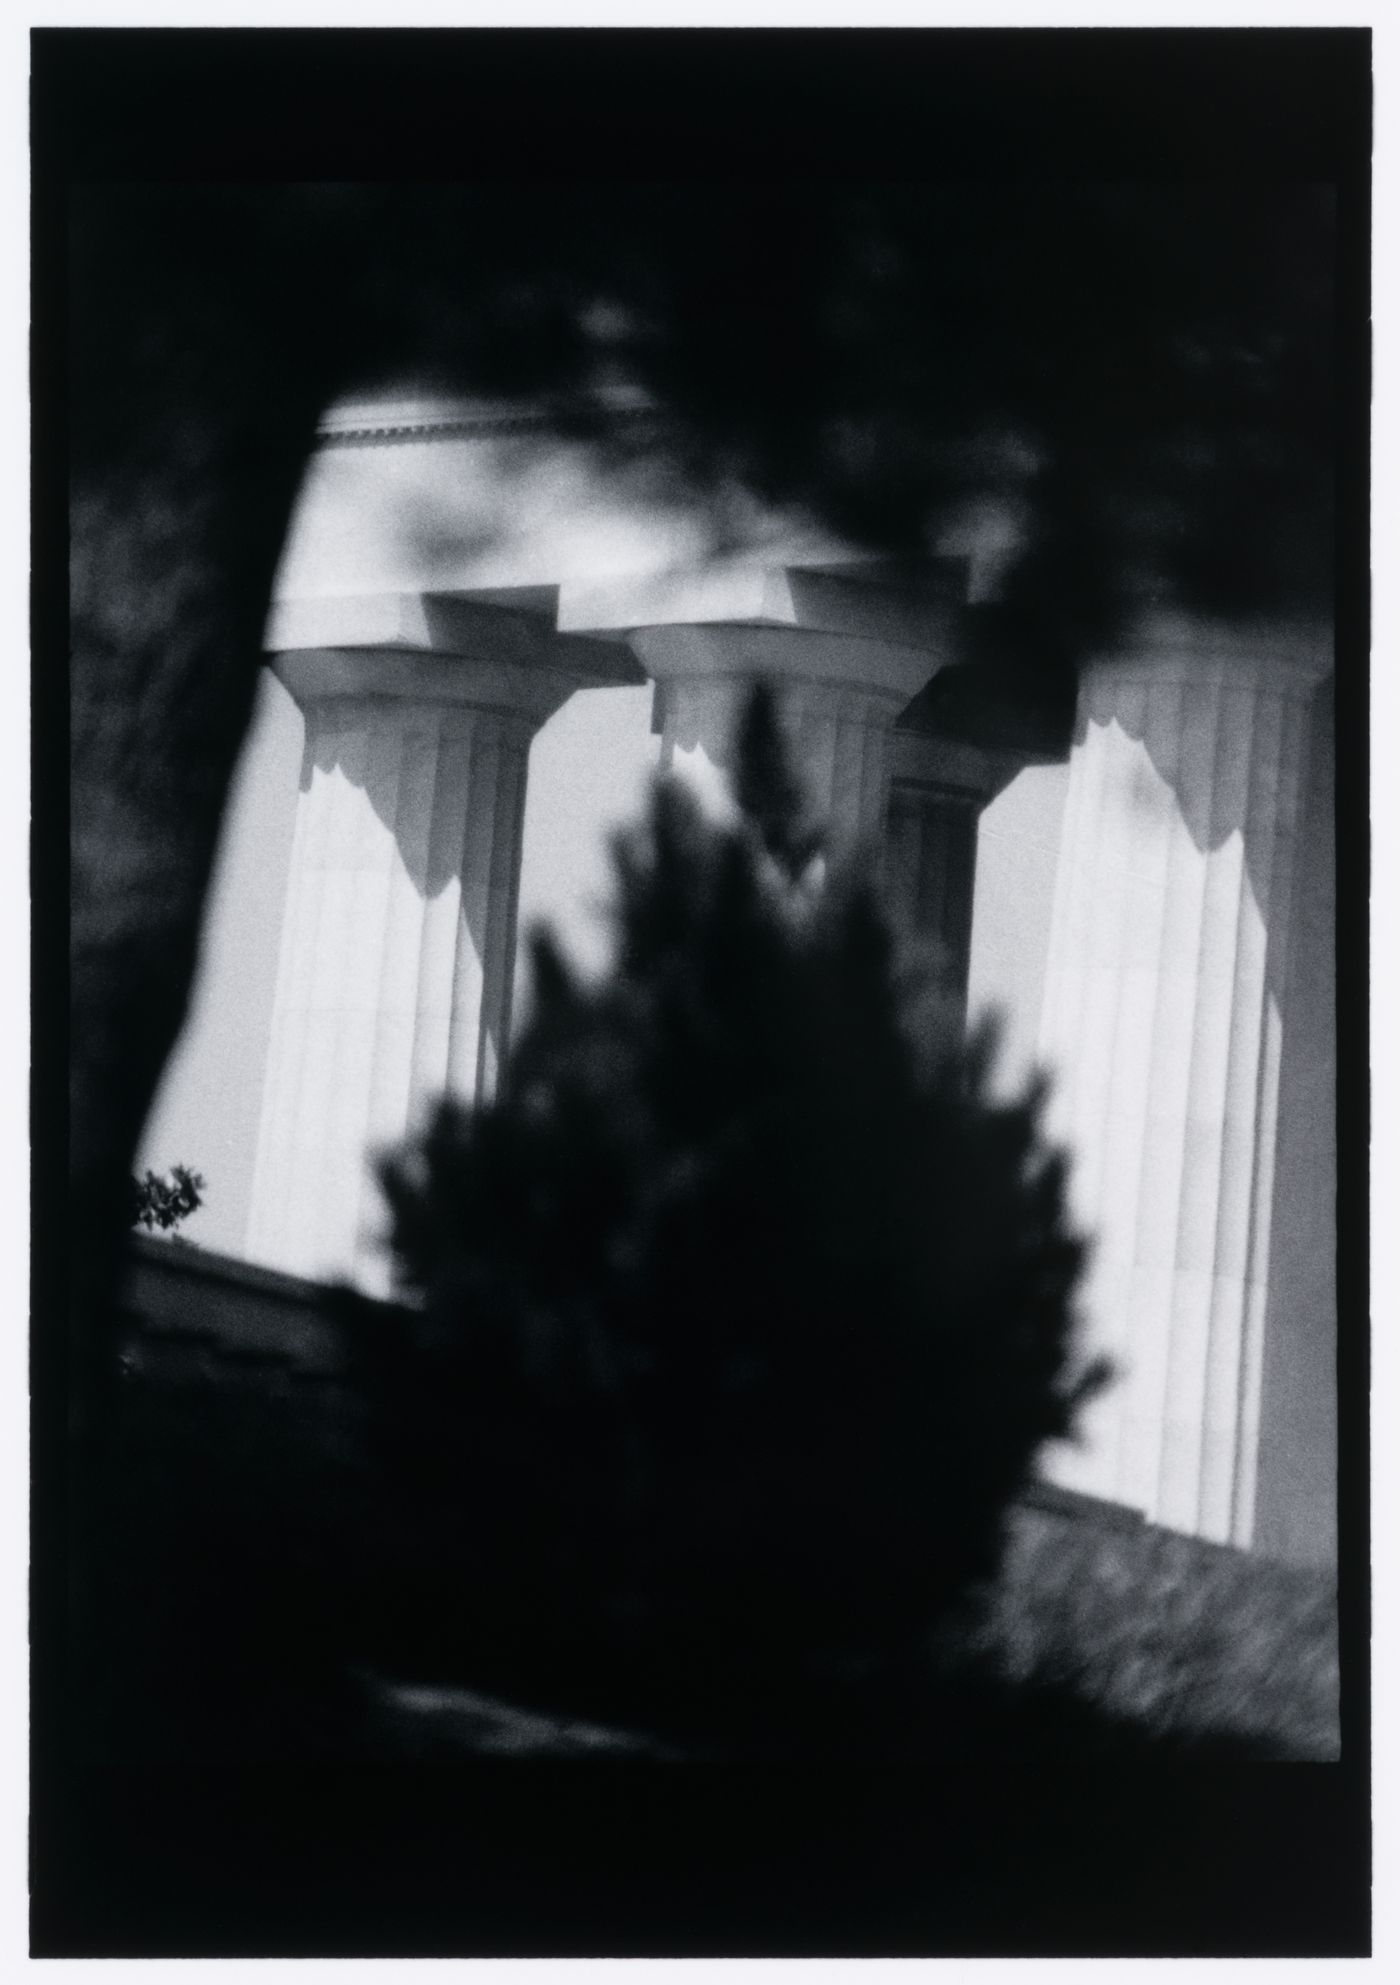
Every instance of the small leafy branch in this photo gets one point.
(165, 1202)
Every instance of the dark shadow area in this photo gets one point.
(1296, 1511)
(254, 1790)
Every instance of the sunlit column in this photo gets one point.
(837, 700)
(397, 959)
(1164, 1021)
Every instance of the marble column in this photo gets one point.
(397, 958)
(845, 649)
(1164, 1022)
(837, 702)
(939, 788)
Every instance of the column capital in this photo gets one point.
(387, 681)
(870, 675)
(864, 628)
(846, 646)
(909, 606)
(1289, 657)
(438, 648)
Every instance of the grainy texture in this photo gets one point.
(1182, 1638)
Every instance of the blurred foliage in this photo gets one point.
(746, 1310)
(1137, 376)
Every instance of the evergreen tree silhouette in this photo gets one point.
(746, 1310)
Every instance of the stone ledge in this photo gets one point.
(177, 1290)
(1080, 1508)
(254, 1314)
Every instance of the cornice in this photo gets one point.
(1176, 647)
(360, 425)
(439, 427)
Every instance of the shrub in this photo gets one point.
(746, 1310)
(165, 1202)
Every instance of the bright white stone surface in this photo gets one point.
(395, 974)
(838, 696)
(839, 734)
(1018, 846)
(1164, 1013)
(845, 645)
(441, 494)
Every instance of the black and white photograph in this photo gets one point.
(700, 1045)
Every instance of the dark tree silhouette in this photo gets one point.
(747, 1310)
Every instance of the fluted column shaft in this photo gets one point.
(837, 697)
(396, 966)
(930, 850)
(1163, 1022)
(839, 741)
